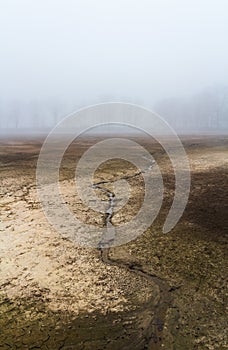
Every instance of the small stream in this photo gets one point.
(154, 338)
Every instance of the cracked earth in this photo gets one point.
(156, 292)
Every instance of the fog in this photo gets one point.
(168, 55)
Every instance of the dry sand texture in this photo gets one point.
(157, 292)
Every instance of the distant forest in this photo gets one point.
(205, 111)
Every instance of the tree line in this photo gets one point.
(207, 110)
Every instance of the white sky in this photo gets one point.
(84, 49)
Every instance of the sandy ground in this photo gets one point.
(157, 292)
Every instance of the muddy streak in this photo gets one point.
(154, 333)
(109, 236)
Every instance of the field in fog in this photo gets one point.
(160, 291)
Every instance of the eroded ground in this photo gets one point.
(160, 291)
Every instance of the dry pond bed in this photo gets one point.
(160, 291)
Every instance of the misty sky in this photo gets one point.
(88, 50)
